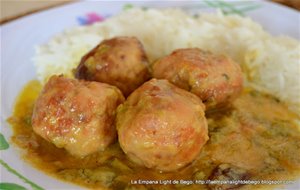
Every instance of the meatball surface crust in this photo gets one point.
(162, 126)
(77, 115)
(119, 61)
(216, 79)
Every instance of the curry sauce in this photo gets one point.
(256, 138)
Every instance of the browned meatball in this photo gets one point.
(161, 126)
(77, 115)
(216, 79)
(119, 61)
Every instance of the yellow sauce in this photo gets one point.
(257, 133)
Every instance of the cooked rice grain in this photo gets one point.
(270, 64)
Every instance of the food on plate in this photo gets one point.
(270, 63)
(77, 115)
(216, 79)
(161, 126)
(120, 61)
(256, 137)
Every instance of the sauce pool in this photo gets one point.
(257, 134)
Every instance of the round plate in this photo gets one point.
(18, 39)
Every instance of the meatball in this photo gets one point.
(77, 115)
(161, 126)
(216, 79)
(119, 61)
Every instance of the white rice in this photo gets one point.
(270, 64)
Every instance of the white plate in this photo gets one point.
(19, 37)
